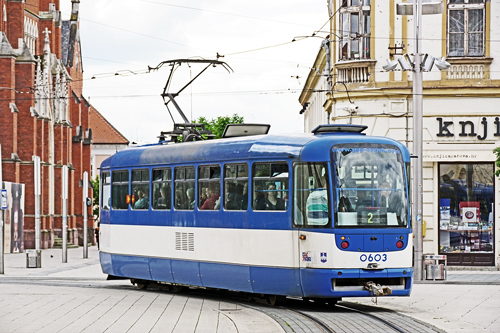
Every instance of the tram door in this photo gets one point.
(311, 213)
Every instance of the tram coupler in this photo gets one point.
(377, 289)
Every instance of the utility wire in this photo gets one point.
(224, 13)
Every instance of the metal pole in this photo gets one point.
(65, 213)
(37, 181)
(85, 213)
(1, 219)
(417, 143)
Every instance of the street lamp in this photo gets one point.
(417, 8)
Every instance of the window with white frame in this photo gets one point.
(466, 24)
(355, 21)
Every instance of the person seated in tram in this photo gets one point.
(363, 198)
(163, 200)
(391, 199)
(317, 206)
(271, 201)
(143, 202)
(213, 196)
(190, 197)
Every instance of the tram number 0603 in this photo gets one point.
(370, 258)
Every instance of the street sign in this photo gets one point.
(4, 199)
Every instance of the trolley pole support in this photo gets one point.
(65, 213)
(85, 215)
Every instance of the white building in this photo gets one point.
(461, 120)
(107, 140)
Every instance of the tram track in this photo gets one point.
(295, 315)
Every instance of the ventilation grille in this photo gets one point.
(184, 241)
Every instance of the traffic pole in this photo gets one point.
(65, 214)
(85, 215)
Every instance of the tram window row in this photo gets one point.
(270, 188)
(187, 187)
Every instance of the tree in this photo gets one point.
(497, 162)
(95, 192)
(218, 125)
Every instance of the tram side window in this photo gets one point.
(236, 187)
(105, 190)
(311, 195)
(270, 186)
(140, 189)
(119, 189)
(184, 188)
(162, 188)
(209, 187)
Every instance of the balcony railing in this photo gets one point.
(468, 68)
(355, 71)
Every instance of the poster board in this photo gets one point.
(14, 218)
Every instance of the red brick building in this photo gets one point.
(43, 112)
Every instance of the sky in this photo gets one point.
(121, 38)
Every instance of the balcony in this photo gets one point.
(468, 68)
(355, 71)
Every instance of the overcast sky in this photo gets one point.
(127, 36)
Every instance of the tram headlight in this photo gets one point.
(399, 244)
(344, 244)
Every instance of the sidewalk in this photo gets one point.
(468, 301)
(83, 301)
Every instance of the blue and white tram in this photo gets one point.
(321, 215)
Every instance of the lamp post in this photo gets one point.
(417, 9)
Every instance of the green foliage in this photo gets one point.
(218, 125)
(497, 162)
(95, 192)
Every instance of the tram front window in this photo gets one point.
(370, 186)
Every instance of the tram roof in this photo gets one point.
(306, 147)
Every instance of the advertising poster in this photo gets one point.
(444, 214)
(14, 218)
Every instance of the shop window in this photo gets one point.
(106, 191)
(119, 189)
(311, 195)
(355, 21)
(466, 26)
(270, 186)
(236, 187)
(162, 188)
(140, 189)
(184, 188)
(466, 201)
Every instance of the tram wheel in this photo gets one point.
(176, 289)
(273, 300)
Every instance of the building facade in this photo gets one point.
(461, 120)
(43, 113)
(106, 141)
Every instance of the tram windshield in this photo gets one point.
(370, 186)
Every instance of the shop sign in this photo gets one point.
(467, 128)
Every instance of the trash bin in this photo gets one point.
(33, 258)
(435, 267)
